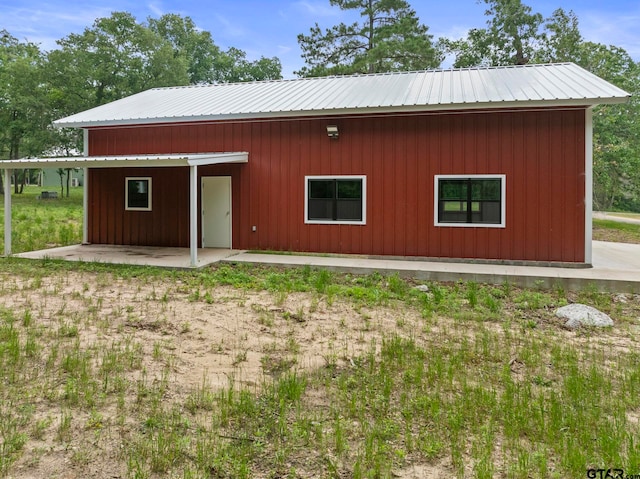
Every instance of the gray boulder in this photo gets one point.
(582, 315)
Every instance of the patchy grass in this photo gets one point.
(244, 371)
(616, 231)
(40, 224)
(265, 372)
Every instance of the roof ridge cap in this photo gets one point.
(361, 75)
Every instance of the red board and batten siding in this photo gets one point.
(542, 154)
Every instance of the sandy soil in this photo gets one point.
(220, 336)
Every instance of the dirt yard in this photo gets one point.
(166, 330)
(220, 337)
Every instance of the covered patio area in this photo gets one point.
(179, 258)
(187, 160)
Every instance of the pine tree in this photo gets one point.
(389, 38)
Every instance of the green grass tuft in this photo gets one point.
(41, 224)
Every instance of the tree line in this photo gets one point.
(118, 56)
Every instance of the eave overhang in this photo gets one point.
(129, 161)
(273, 115)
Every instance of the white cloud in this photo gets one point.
(317, 8)
(45, 23)
(231, 29)
(618, 30)
(156, 9)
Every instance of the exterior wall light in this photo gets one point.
(332, 131)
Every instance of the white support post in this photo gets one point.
(193, 214)
(85, 206)
(85, 190)
(588, 186)
(7, 212)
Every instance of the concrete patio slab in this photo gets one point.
(616, 266)
(136, 255)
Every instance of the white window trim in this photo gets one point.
(335, 177)
(126, 192)
(503, 202)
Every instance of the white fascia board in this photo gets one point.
(126, 161)
(492, 105)
(90, 162)
(203, 160)
(45, 163)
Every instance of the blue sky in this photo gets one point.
(270, 27)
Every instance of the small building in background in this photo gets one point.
(50, 177)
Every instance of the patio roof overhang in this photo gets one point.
(123, 161)
(191, 160)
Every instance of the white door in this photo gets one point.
(216, 212)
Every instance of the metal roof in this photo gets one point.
(562, 84)
(180, 159)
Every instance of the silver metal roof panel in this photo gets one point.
(563, 84)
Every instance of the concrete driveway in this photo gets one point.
(603, 215)
(616, 256)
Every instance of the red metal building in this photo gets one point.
(491, 164)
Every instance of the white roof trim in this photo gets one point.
(128, 161)
(345, 111)
(528, 86)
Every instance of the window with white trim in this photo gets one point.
(470, 200)
(137, 192)
(335, 199)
